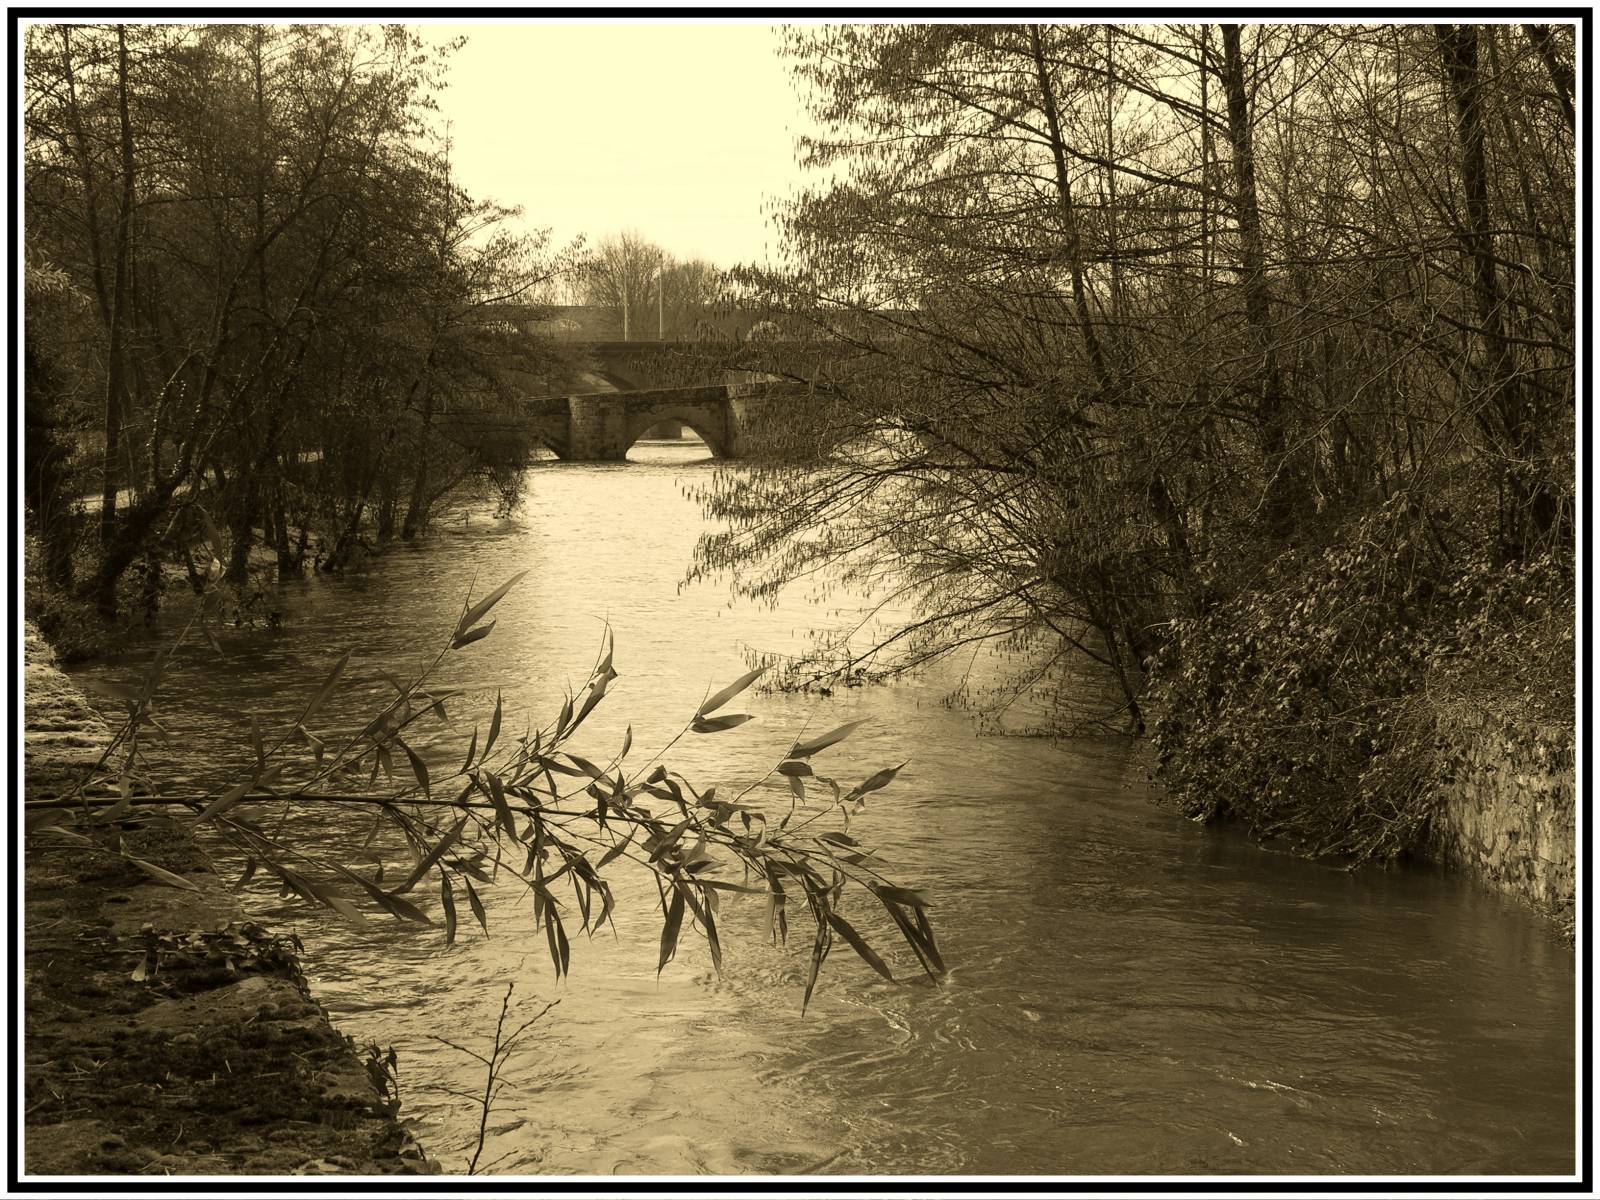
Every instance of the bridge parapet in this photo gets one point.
(660, 364)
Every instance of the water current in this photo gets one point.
(1129, 994)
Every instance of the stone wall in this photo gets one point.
(1508, 816)
(63, 736)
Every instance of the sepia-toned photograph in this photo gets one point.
(642, 599)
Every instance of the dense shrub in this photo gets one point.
(1510, 645)
(1305, 703)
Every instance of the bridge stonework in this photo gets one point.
(602, 426)
(733, 419)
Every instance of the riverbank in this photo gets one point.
(1507, 814)
(1505, 819)
(165, 1034)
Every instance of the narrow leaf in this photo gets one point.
(432, 856)
(718, 724)
(36, 821)
(339, 904)
(587, 767)
(502, 810)
(872, 784)
(712, 941)
(161, 874)
(477, 611)
(671, 840)
(326, 690)
(477, 906)
(447, 898)
(226, 801)
(928, 938)
(901, 895)
(597, 691)
(612, 853)
(718, 699)
(807, 749)
(550, 940)
(418, 767)
(393, 905)
(859, 945)
(494, 724)
(562, 945)
(466, 639)
(819, 951)
(669, 931)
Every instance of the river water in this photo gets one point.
(1129, 994)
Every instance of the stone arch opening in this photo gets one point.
(546, 449)
(703, 426)
(667, 430)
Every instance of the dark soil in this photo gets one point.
(153, 1048)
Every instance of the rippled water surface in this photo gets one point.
(1130, 994)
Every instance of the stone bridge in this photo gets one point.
(645, 365)
(601, 426)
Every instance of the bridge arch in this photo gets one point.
(709, 423)
(554, 445)
(744, 420)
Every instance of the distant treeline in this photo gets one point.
(253, 285)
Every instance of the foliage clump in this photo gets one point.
(1308, 703)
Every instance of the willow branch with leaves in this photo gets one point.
(528, 810)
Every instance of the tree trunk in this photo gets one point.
(47, 468)
(1072, 248)
(388, 505)
(1286, 485)
(150, 588)
(1530, 507)
(116, 370)
(417, 510)
(242, 532)
(345, 544)
(288, 560)
(1560, 74)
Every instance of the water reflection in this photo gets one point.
(1130, 994)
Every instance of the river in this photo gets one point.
(1129, 994)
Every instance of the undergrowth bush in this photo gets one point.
(1511, 643)
(1306, 703)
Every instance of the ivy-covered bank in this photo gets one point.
(165, 1034)
(1379, 696)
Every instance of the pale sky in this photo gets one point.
(676, 129)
